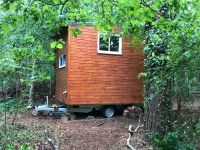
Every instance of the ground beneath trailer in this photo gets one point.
(85, 133)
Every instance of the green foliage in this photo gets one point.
(57, 44)
(11, 106)
(197, 129)
(75, 32)
(185, 137)
(26, 53)
(171, 141)
(29, 42)
(15, 136)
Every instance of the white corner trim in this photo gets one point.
(109, 52)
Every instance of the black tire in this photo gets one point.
(109, 111)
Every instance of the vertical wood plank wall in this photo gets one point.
(101, 78)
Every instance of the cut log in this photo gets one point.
(125, 113)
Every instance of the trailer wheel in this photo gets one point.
(108, 112)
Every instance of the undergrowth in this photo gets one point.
(185, 136)
(15, 136)
(12, 105)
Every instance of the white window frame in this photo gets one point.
(109, 52)
(61, 66)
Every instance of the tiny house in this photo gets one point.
(93, 72)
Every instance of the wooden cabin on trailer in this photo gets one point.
(93, 72)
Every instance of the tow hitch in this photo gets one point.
(54, 110)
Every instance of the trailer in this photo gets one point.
(58, 111)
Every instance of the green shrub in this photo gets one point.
(12, 105)
(184, 137)
(14, 137)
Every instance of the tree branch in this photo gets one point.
(130, 134)
(63, 5)
(48, 3)
(146, 5)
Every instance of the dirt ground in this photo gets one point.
(89, 132)
(85, 133)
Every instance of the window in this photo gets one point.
(111, 45)
(62, 61)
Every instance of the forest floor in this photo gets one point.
(84, 133)
(87, 132)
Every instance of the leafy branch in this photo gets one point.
(53, 4)
(147, 5)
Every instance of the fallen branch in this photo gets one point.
(130, 134)
(100, 124)
(49, 141)
(138, 139)
(128, 142)
(57, 145)
(138, 126)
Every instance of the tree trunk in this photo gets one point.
(157, 116)
(30, 101)
(158, 112)
(179, 106)
(182, 91)
(31, 90)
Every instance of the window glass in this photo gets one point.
(103, 43)
(114, 43)
(62, 60)
(109, 45)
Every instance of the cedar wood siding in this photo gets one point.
(61, 73)
(95, 78)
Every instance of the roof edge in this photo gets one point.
(79, 24)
